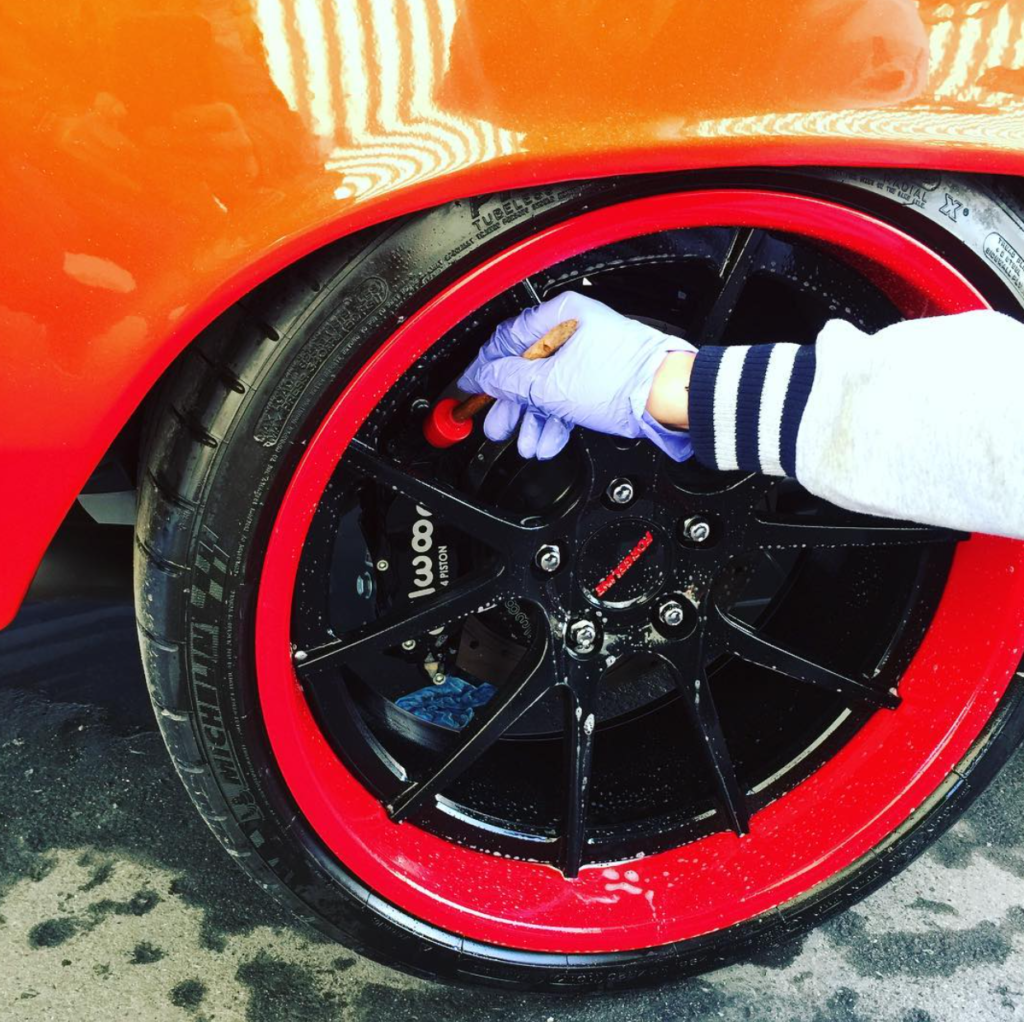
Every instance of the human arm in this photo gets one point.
(922, 420)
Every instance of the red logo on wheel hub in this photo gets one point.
(624, 565)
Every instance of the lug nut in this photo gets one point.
(620, 491)
(671, 613)
(548, 558)
(696, 530)
(582, 636)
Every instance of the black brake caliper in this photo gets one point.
(424, 559)
(423, 556)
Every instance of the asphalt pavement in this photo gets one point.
(116, 903)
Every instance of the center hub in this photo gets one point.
(623, 564)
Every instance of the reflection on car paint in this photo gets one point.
(162, 157)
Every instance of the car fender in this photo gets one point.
(163, 158)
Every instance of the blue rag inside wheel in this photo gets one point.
(449, 704)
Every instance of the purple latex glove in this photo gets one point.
(599, 379)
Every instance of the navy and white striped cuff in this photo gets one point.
(746, 403)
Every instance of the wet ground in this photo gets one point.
(116, 903)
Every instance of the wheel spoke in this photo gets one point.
(527, 683)
(739, 264)
(464, 597)
(743, 642)
(530, 290)
(692, 683)
(475, 519)
(860, 530)
(579, 749)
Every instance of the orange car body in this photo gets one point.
(159, 159)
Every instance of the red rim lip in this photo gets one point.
(847, 807)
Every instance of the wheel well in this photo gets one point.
(114, 480)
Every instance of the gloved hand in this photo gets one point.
(600, 378)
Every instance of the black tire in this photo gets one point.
(228, 430)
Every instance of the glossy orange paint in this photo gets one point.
(161, 157)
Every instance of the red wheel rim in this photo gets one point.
(859, 797)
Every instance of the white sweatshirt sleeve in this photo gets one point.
(921, 421)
